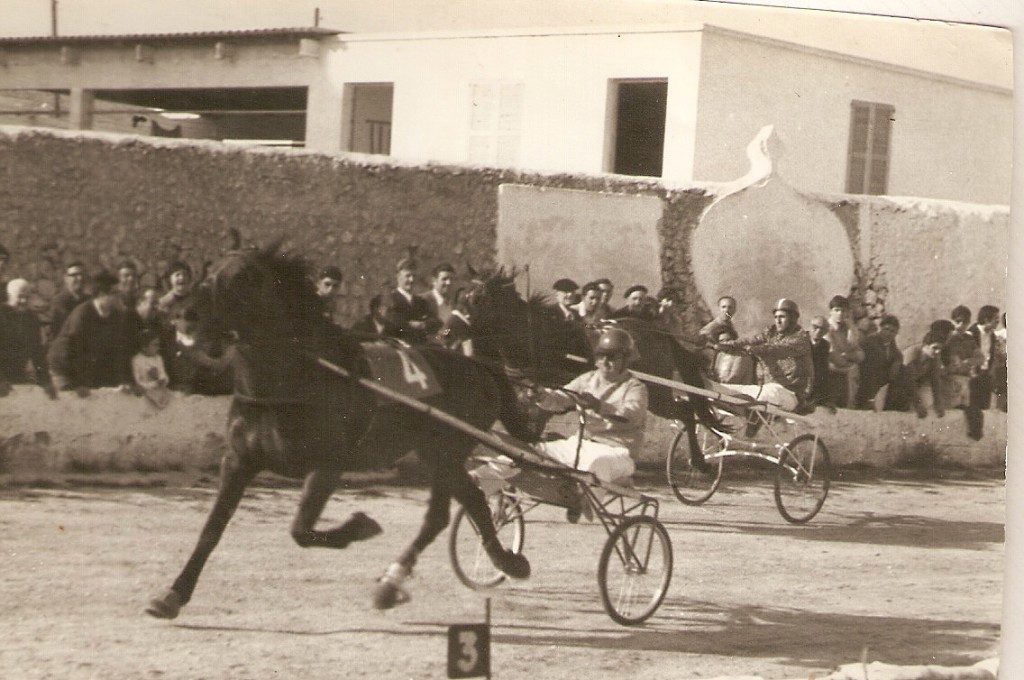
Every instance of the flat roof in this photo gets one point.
(198, 36)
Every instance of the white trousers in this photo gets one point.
(607, 462)
(773, 393)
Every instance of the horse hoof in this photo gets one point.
(514, 565)
(166, 607)
(387, 595)
(362, 526)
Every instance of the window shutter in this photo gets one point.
(867, 164)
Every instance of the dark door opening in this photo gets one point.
(640, 128)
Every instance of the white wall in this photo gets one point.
(565, 97)
(950, 139)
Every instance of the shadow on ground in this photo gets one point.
(805, 638)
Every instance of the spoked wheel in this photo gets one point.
(635, 570)
(466, 550)
(691, 486)
(802, 478)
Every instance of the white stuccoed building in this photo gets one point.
(678, 101)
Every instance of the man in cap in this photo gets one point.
(408, 313)
(636, 299)
(565, 297)
(785, 369)
(328, 285)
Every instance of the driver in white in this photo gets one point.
(616, 411)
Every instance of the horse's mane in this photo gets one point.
(501, 284)
(290, 277)
(530, 331)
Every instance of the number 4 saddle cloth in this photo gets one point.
(401, 368)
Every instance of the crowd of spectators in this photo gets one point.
(108, 330)
(838, 363)
(955, 365)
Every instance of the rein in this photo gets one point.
(486, 438)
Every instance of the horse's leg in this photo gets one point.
(474, 501)
(235, 476)
(320, 484)
(389, 591)
(687, 414)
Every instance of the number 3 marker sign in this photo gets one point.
(469, 650)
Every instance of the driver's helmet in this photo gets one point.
(617, 341)
(787, 305)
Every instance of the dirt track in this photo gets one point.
(911, 570)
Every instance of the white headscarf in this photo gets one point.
(16, 287)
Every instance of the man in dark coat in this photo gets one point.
(64, 302)
(439, 297)
(328, 285)
(93, 348)
(821, 394)
(375, 324)
(409, 314)
(882, 362)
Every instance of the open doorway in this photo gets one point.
(638, 127)
(370, 120)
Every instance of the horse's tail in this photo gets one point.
(706, 414)
(688, 364)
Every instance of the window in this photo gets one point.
(638, 147)
(495, 123)
(867, 163)
(370, 121)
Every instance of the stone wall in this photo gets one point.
(110, 431)
(103, 198)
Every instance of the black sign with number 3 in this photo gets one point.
(469, 650)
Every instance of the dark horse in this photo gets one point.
(291, 416)
(529, 337)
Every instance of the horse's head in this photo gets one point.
(527, 334)
(221, 298)
(260, 296)
(490, 297)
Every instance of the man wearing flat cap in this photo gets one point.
(565, 296)
(636, 299)
(409, 313)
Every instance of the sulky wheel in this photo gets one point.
(635, 570)
(802, 478)
(469, 559)
(692, 486)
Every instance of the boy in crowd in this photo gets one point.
(881, 365)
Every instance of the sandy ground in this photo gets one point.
(908, 570)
